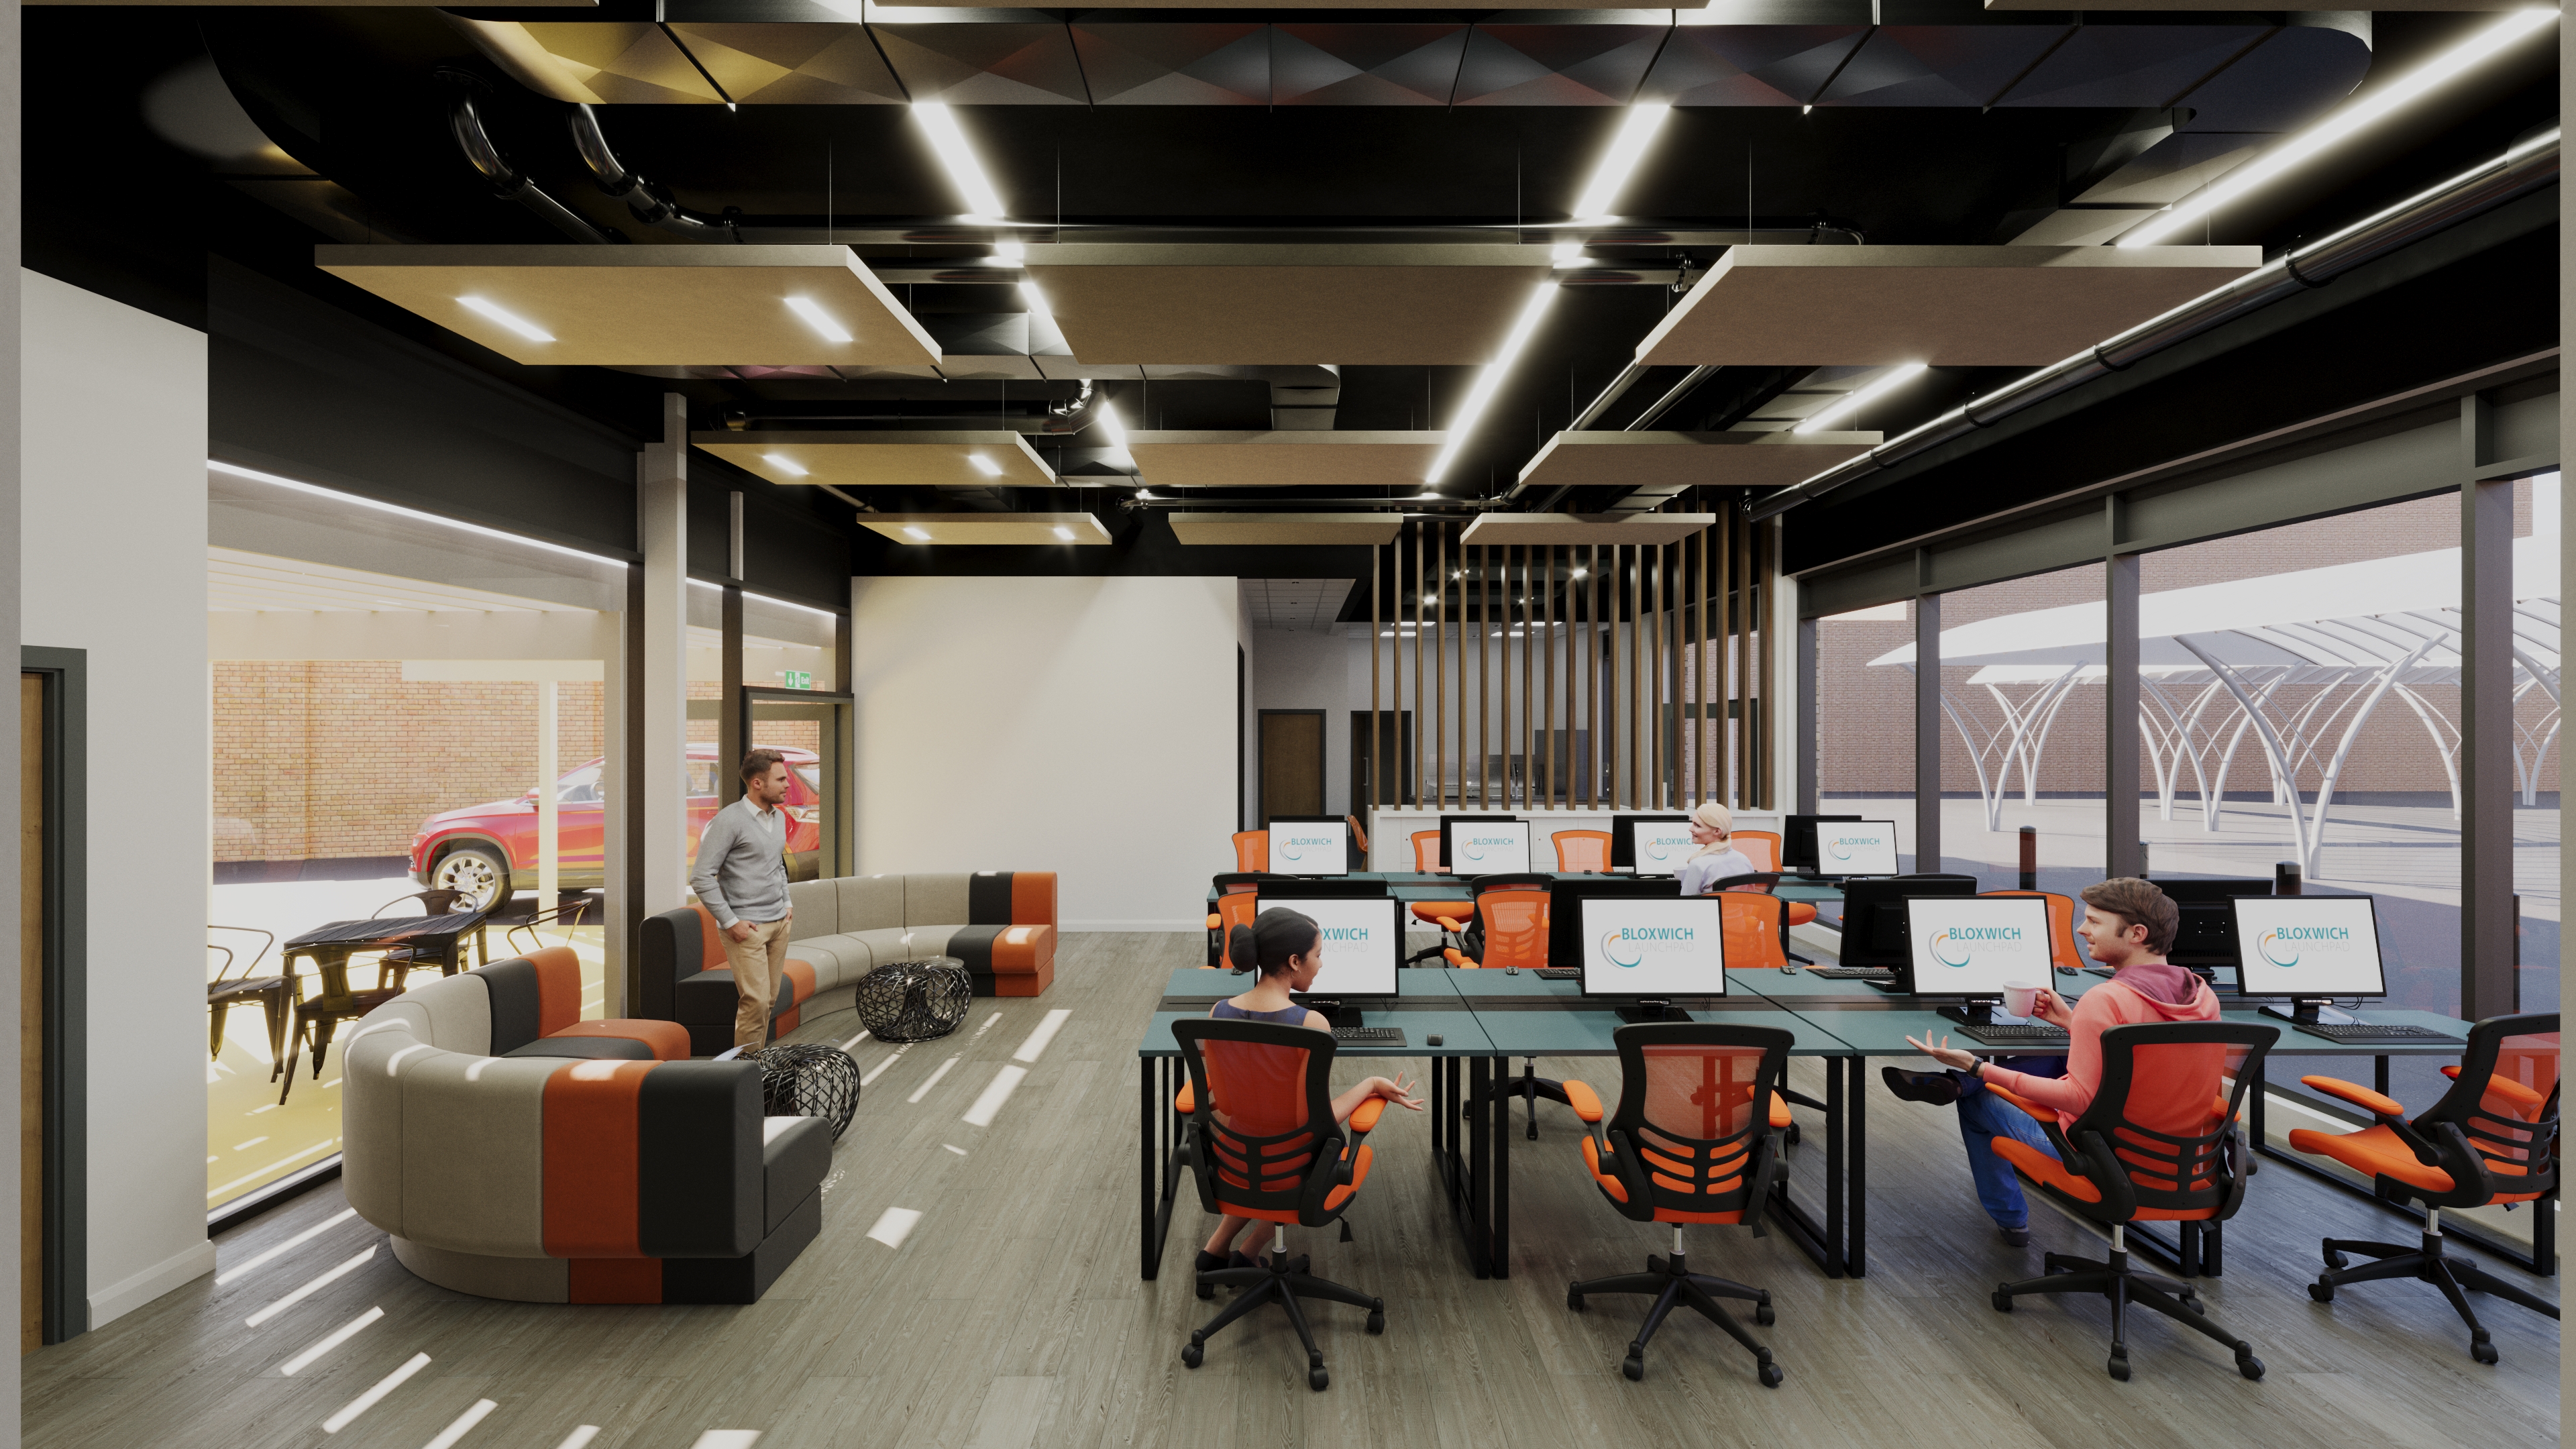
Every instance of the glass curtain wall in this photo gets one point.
(2022, 740)
(1864, 715)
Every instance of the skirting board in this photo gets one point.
(1196, 924)
(114, 1302)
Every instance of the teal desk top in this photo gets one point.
(1526, 1016)
(1883, 1033)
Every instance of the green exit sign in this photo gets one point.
(799, 679)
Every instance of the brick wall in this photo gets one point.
(1865, 716)
(330, 759)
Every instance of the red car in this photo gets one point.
(489, 850)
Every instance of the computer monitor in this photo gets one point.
(1448, 820)
(1975, 946)
(1650, 844)
(1363, 940)
(2205, 939)
(1344, 889)
(2308, 948)
(1310, 845)
(1498, 845)
(1858, 847)
(1873, 929)
(1798, 839)
(1644, 953)
(1565, 898)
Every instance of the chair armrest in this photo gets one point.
(1186, 1101)
(1453, 927)
(1215, 921)
(1801, 1099)
(1779, 1111)
(1364, 1116)
(2037, 1111)
(1585, 1102)
(1458, 958)
(2369, 1101)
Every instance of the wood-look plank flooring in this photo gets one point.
(1012, 1313)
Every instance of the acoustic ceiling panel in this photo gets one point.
(986, 530)
(616, 62)
(793, 64)
(1272, 529)
(990, 459)
(1222, 64)
(1557, 64)
(1938, 65)
(1015, 63)
(647, 305)
(2131, 65)
(1365, 65)
(1282, 304)
(1546, 530)
(1283, 460)
(1689, 460)
(2016, 306)
(1748, 65)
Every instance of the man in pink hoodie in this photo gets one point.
(2129, 926)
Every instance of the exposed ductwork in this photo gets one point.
(644, 200)
(2520, 171)
(508, 182)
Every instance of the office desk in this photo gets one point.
(1428, 1005)
(1524, 1016)
(1880, 1026)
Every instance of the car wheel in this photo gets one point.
(475, 870)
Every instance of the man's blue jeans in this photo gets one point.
(1983, 1116)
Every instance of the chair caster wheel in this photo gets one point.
(2322, 1292)
(1192, 1356)
(1574, 1300)
(1376, 1321)
(1206, 1291)
(1634, 1366)
(1770, 1375)
(2191, 1300)
(2120, 1369)
(2337, 1260)
(1792, 1138)
(2002, 1301)
(2483, 1351)
(1318, 1380)
(1762, 1314)
(2248, 1365)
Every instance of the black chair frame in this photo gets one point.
(2092, 1147)
(275, 994)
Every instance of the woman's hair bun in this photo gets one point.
(1242, 951)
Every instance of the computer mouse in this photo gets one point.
(1432, 1040)
(1511, 971)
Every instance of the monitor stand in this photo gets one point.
(2320, 1012)
(1974, 1013)
(1335, 1014)
(1652, 1010)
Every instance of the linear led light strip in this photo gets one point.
(2367, 111)
(507, 318)
(768, 599)
(254, 475)
(1490, 380)
(1859, 398)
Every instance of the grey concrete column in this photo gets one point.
(733, 712)
(1927, 720)
(620, 701)
(11, 442)
(661, 748)
(2486, 726)
(2120, 853)
(1803, 748)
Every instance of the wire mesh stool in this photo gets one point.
(806, 1079)
(914, 1000)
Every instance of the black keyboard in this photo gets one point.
(1853, 973)
(2362, 1033)
(2014, 1033)
(1558, 973)
(1369, 1035)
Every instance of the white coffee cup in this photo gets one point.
(2020, 997)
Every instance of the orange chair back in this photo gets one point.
(1762, 847)
(1426, 850)
(1694, 1104)
(1236, 907)
(1252, 850)
(2512, 1120)
(2064, 951)
(1582, 849)
(2170, 1095)
(1264, 1112)
(1515, 922)
(1757, 929)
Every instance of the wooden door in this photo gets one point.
(31, 1012)
(1292, 763)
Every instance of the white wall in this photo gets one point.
(113, 553)
(1305, 670)
(1079, 725)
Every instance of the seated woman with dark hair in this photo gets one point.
(1287, 948)
(2128, 925)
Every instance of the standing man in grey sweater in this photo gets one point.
(741, 878)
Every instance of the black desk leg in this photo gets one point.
(1836, 1254)
(2379, 1074)
(1502, 1248)
(1856, 1128)
(1152, 1250)
(1480, 1174)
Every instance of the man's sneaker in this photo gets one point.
(1938, 1088)
(2017, 1237)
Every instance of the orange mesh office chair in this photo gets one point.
(2492, 1138)
(1238, 901)
(1252, 850)
(1757, 930)
(2159, 1143)
(1582, 850)
(1426, 852)
(2063, 951)
(1762, 847)
(1696, 1139)
(1509, 932)
(1263, 1145)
